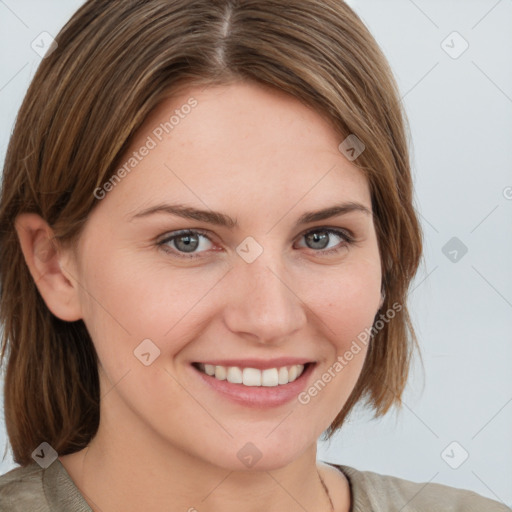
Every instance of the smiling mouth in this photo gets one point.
(254, 377)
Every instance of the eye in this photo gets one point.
(184, 244)
(319, 238)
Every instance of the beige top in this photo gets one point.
(33, 489)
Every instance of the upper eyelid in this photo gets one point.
(350, 236)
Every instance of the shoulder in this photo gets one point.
(22, 489)
(386, 493)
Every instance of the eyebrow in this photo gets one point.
(221, 219)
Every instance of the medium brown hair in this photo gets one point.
(115, 62)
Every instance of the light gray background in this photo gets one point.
(460, 110)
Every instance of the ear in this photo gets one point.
(48, 264)
(383, 296)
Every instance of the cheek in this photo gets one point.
(345, 304)
(128, 300)
(346, 300)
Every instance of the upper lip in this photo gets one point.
(260, 364)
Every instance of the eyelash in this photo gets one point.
(348, 239)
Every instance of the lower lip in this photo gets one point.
(258, 396)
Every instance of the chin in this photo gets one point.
(261, 453)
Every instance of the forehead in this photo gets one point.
(257, 117)
(216, 144)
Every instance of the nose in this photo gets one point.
(262, 302)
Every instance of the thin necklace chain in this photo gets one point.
(326, 490)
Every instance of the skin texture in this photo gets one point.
(165, 438)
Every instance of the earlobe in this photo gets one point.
(382, 298)
(45, 261)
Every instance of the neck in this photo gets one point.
(118, 463)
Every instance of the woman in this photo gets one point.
(207, 237)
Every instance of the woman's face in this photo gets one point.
(265, 285)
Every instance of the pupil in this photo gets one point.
(315, 238)
(189, 240)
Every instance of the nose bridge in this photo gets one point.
(263, 302)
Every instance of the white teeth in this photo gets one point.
(209, 369)
(270, 377)
(283, 375)
(234, 375)
(252, 377)
(220, 372)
